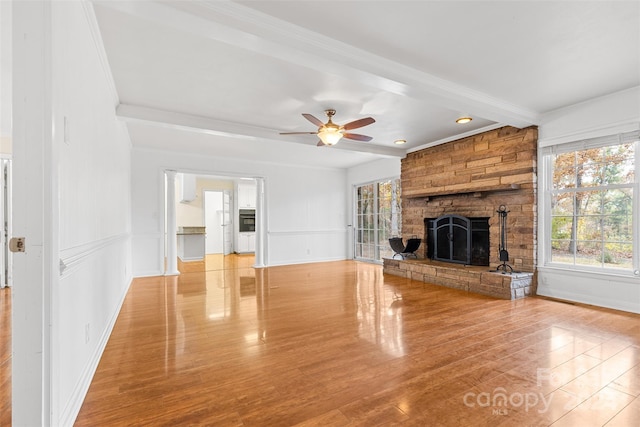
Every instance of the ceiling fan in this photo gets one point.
(330, 133)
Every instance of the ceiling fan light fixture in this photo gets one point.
(463, 120)
(330, 135)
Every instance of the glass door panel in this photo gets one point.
(378, 217)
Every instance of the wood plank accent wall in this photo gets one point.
(473, 177)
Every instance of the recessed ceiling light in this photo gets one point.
(400, 141)
(463, 120)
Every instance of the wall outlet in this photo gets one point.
(87, 333)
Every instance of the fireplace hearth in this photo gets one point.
(458, 239)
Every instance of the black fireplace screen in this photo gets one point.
(455, 238)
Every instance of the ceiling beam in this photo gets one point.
(246, 28)
(209, 126)
(187, 122)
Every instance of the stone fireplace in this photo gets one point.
(468, 179)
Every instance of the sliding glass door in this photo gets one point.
(378, 217)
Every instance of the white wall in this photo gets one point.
(373, 171)
(608, 115)
(94, 206)
(305, 208)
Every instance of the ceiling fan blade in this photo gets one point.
(357, 137)
(312, 119)
(321, 144)
(358, 123)
(298, 133)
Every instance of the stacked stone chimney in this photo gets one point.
(472, 177)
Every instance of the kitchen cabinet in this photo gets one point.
(247, 195)
(246, 242)
(187, 187)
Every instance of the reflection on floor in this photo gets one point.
(339, 343)
(220, 279)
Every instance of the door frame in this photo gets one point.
(35, 216)
(6, 259)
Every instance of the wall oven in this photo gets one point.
(247, 220)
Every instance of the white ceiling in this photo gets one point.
(224, 78)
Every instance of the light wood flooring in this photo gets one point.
(339, 343)
(5, 357)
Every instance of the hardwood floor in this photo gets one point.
(339, 343)
(5, 357)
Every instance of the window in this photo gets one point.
(378, 217)
(591, 203)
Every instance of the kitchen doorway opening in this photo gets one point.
(210, 204)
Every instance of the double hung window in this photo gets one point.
(590, 204)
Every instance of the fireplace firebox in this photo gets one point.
(458, 239)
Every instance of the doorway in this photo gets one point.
(188, 197)
(378, 213)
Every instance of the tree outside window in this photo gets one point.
(592, 206)
(378, 217)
